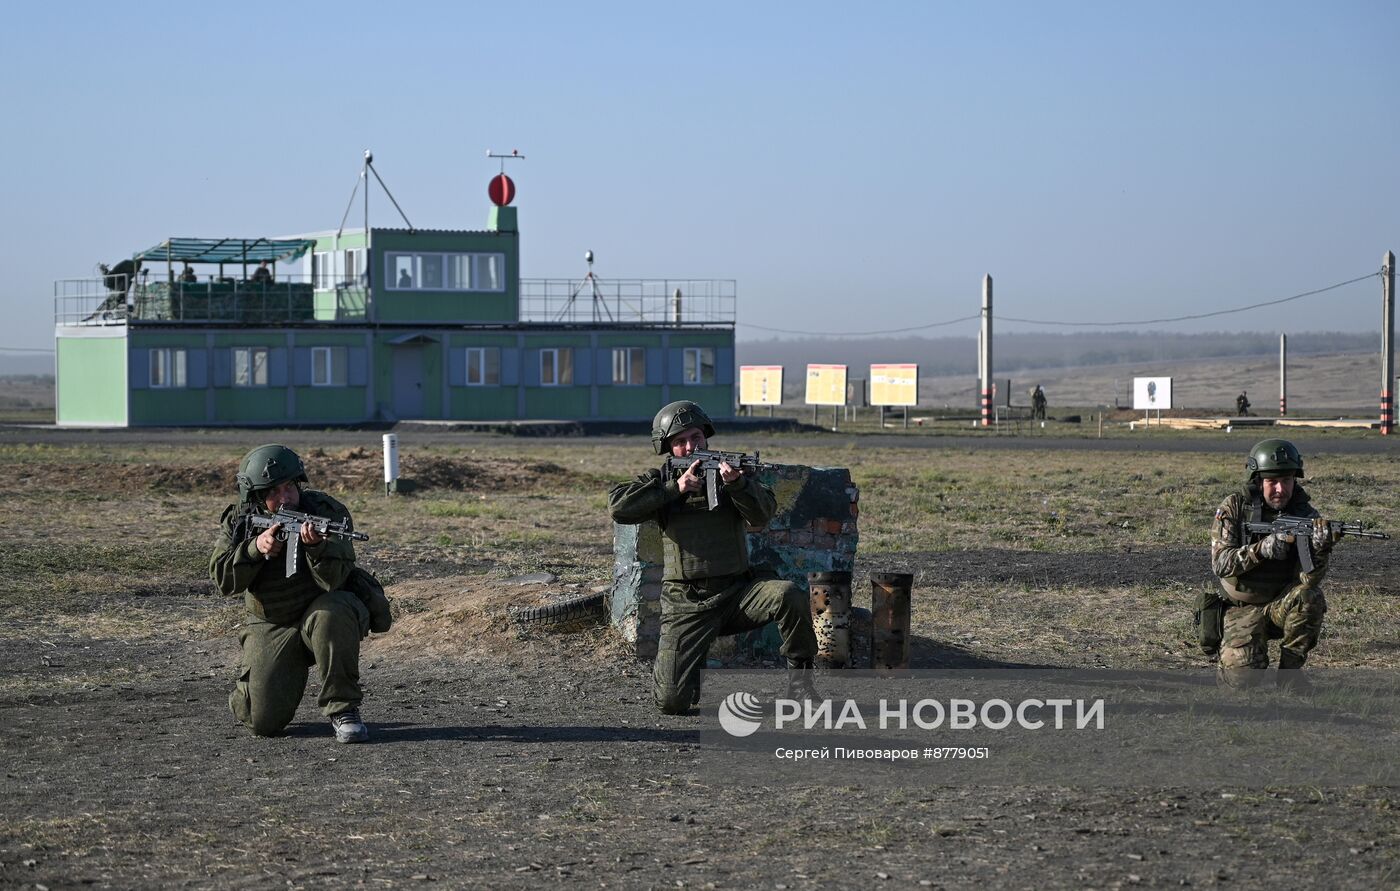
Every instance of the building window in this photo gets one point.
(352, 265)
(323, 270)
(328, 366)
(629, 366)
(250, 366)
(557, 367)
(167, 368)
(483, 366)
(699, 365)
(445, 272)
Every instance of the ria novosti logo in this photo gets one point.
(740, 714)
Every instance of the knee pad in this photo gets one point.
(1242, 657)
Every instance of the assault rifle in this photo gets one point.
(1302, 529)
(709, 463)
(292, 521)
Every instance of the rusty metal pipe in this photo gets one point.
(831, 617)
(890, 605)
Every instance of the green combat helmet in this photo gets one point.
(265, 467)
(674, 418)
(1273, 458)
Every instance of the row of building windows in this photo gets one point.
(629, 366)
(328, 367)
(444, 272)
(435, 271)
(483, 366)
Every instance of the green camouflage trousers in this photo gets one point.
(276, 659)
(1295, 619)
(693, 614)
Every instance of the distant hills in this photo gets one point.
(1015, 352)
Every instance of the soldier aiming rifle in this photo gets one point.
(703, 501)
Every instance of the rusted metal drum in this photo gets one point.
(831, 617)
(890, 593)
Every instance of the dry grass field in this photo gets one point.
(501, 761)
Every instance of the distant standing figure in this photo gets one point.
(1038, 403)
(1242, 404)
(187, 275)
(405, 280)
(262, 275)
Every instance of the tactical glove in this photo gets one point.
(1275, 547)
(1324, 535)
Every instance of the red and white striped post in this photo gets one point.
(1282, 375)
(985, 372)
(1388, 345)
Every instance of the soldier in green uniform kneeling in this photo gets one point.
(316, 616)
(708, 587)
(1266, 592)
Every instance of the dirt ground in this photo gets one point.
(505, 761)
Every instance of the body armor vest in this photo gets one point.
(1268, 580)
(701, 543)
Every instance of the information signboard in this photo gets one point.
(894, 385)
(826, 385)
(760, 385)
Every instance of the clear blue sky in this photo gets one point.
(854, 166)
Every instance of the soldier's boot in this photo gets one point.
(349, 728)
(800, 684)
(1290, 672)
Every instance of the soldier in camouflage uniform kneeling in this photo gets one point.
(708, 587)
(317, 616)
(1267, 594)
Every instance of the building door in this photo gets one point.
(408, 381)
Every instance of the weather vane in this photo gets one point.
(514, 155)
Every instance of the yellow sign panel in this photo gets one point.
(760, 385)
(826, 385)
(894, 385)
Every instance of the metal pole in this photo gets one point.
(986, 369)
(1282, 375)
(1388, 346)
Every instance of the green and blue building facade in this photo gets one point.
(380, 325)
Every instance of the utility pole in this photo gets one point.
(1388, 345)
(1282, 375)
(985, 372)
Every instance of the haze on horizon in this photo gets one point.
(853, 169)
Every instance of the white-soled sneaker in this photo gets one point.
(349, 728)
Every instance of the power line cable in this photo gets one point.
(1056, 322)
(861, 333)
(5, 349)
(1203, 315)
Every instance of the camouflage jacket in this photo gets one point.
(1245, 574)
(237, 567)
(698, 543)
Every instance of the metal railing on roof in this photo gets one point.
(657, 302)
(288, 298)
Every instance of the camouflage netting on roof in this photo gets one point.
(226, 302)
